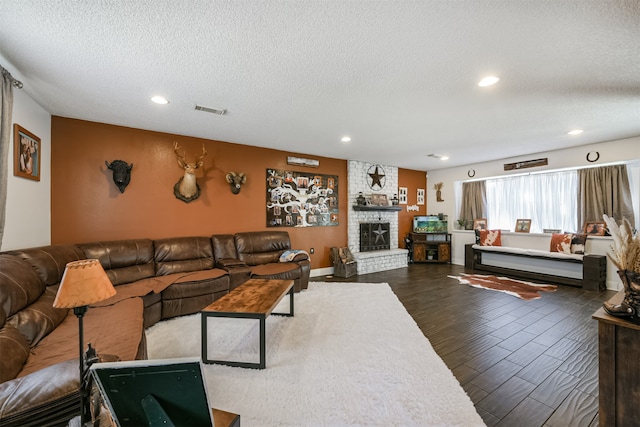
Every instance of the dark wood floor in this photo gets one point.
(522, 363)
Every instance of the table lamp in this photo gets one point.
(83, 283)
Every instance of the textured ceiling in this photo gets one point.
(399, 77)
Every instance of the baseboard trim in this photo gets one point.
(327, 271)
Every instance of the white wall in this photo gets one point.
(28, 214)
(610, 152)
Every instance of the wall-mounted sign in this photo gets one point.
(526, 164)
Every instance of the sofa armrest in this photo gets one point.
(48, 396)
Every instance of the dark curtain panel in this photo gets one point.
(604, 190)
(474, 200)
(6, 109)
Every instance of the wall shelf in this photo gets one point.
(377, 208)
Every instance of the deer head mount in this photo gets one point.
(121, 173)
(187, 189)
(236, 181)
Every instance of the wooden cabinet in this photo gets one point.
(430, 247)
(619, 369)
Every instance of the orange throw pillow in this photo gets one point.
(490, 237)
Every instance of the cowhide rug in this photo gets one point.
(517, 288)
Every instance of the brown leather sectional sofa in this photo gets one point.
(154, 279)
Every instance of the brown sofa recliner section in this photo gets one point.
(154, 280)
(261, 251)
(39, 376)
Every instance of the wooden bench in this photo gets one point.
(587, 271)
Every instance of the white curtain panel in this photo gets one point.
(549, 200)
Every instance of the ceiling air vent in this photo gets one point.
(210, 110)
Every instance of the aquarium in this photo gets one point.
(429, 224)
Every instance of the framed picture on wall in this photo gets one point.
(421, 196)
(26, 153)
(402, 195)
(595, 228)
(480, 224)
(379, 200)
(523, 225)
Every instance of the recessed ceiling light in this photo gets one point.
(160, 100)
(488, 81)
(438, 156)
(345, 139)
(444, 158)
(575, 132)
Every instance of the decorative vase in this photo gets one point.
(630, 305)
(360, 200)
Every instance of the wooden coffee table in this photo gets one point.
(254, 299)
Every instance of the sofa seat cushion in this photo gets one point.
(277, 270)
(122, 340)
(529, 252)
(140, 288)
(187, 285)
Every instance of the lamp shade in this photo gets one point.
(84, 283)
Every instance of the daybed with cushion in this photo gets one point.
(154, 280)
(560, 264)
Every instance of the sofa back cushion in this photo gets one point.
(183, 254)
(40, 318)
(49, 262)
(125, 261)
(261, 247)
(224, 246)
(15, 351)
(20, 286)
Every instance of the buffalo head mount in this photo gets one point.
(121, 173)
(236, 181)
(187, 189)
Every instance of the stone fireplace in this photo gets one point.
(378, 259)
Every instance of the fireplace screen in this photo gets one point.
(374, 236)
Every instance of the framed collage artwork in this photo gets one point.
(301, 199)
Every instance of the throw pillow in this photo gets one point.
(477, 231)
(577, 243)
(561, 243)
(490, 237)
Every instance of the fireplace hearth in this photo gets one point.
(374, 236)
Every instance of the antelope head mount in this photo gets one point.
(187, 189)
(236, 181)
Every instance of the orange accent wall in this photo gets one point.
(413, 180)
(87, 206)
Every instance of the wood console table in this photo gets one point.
(619, 369)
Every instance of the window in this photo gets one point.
(548, 199)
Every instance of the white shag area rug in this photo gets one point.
(351, 356)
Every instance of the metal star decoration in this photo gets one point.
(376, 178)
(380, 232)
